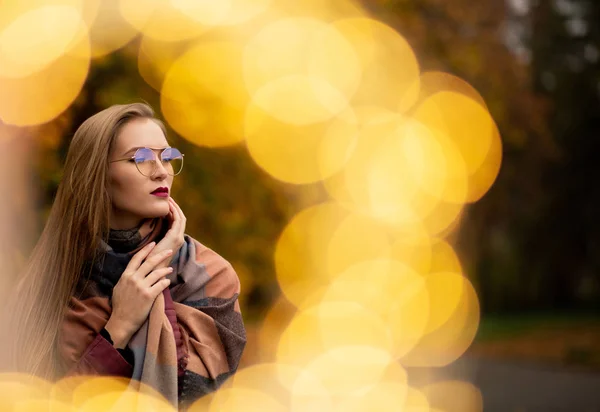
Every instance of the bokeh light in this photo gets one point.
(301, 252)
(470, 126)
(331, 325)
(51, 79)
(391, 290)
(162, 19)
(300, 100)
(451, 339)
(327, 11)
(222, 13)
(46, 405)
(203, 97)
(402, 174)
(108, 29)
(344, 370)
(390, 69)
(416, 401)
(18, 387)
(156, 57)
(357, 238)
(277, 318)
(36, 38)
(378, 397)
(454, 396)
(302, 47)
(125, 401)
(432, 82)
(299, 154)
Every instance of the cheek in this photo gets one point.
(129, 192)
(124, 190)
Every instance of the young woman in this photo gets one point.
(114, 286)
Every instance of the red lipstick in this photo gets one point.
(161, 192)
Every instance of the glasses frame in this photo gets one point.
(156, 159)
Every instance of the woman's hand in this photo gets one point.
(174, 237)
(135, 292)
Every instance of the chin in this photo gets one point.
(157, 212)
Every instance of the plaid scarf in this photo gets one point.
(204, 291)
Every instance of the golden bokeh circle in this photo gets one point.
(37, 38)
(403, 174)
(156, 57)
(108, 29)
(222, 13)
(343, 371)
(329, 325)
(392, 291)
(300, 100)
(381, 396)
(43, 95)
(390, 71)
(454, 396)
(299, 48)
(470, 126)
(160, 19)
(299, 154)
(301, 252)
(16, 387)
(203, 97)
(451, 339)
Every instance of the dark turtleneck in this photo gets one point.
(125, 240)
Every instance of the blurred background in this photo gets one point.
(300, 122)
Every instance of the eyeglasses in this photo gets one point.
(147, 163)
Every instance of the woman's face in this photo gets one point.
(129, 190)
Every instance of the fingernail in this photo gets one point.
(169, 251)
(151, 244)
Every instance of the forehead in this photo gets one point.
(140, 133)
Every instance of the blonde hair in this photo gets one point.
(78, 219)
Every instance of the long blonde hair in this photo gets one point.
(79, 218)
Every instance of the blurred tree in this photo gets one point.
(565, 44)
(529, 242)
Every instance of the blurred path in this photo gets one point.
(509, 386)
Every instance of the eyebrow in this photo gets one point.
(133, 149)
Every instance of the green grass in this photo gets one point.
(493, 327)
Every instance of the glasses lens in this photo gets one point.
(172, 161)
(145, 161)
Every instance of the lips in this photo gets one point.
(164, 190)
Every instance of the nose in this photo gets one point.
(160, 172)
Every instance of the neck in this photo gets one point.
(125, 226)
(127, 240)
(120, 221)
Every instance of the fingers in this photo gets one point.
(173, 216)
(180, 216)
(177, 228)
(138, 258)
(178, 209)
(158, 287)
(174, 207)
(156, 275)
(171, 210)
(151, 263)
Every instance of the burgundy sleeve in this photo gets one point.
(101, 358)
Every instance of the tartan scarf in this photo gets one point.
(204, 291)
